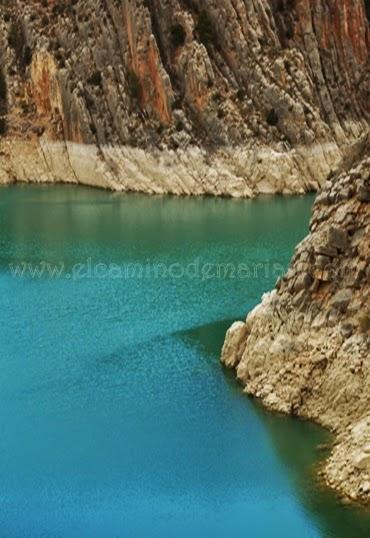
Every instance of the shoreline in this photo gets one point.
(319, 473)
(343, 448)
(319, 470)
(324, 451)
(224, 172)
(261, 196)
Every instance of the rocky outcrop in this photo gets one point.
(305, 350)
(223, 91)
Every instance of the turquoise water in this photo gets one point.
(116, 417)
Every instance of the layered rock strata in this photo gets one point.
(233, 97)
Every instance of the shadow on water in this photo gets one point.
(296, 443)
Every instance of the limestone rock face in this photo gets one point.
(233, 348)
(306, 348)
(270, 90)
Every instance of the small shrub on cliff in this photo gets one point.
(217, 96)
(96, 79)
(90, 103)
(17, 42)
(2, 126)
(272, 118)
(3, 89)
(60, 59)
(179, 126)
(290, 30)
(205, 29)
(25, 107)
(241, 94)
(134, 85)
(178, 35)
(27, 55)
(16, 38)
(176, 103)
(13, 35)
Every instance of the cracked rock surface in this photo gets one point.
(305, 350)
(227, 97)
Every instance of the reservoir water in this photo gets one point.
(116, 417)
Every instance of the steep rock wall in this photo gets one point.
(168, 75)
(305, 350)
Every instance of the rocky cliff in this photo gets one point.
(305, 350)
(235, 97)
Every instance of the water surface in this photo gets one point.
(116, 417)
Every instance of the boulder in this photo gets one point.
(234, 344)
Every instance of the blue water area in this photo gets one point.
(116, 417)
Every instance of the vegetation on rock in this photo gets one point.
(178, 35)
(134, 85)
(205, 29)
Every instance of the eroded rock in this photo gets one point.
(315, 361)
(264, 101)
